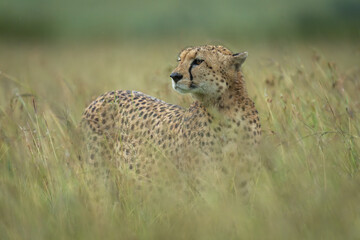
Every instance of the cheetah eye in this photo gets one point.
(197, 61)
(179, 59)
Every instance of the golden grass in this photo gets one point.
(309, 104)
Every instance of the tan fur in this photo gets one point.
(124, 125)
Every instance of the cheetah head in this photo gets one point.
(206, 71)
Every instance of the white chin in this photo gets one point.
(179, 90)
(173, 84)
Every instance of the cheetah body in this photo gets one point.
(132, 128)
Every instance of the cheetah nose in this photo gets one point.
(176, 76)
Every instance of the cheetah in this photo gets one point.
(133, 130)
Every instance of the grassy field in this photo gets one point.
(308, 97)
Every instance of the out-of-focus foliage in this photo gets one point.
(302, 72)
(245, 19)
(309, 187)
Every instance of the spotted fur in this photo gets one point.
(133, 130)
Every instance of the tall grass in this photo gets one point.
(309, 104)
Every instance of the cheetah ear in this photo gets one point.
(239, 59)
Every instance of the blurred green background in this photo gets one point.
(303, 73)
(92, 20)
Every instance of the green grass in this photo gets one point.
(309, 188)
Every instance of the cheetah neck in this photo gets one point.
(231, 98)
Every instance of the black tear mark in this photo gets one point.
(191, 76)
(190, 68)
